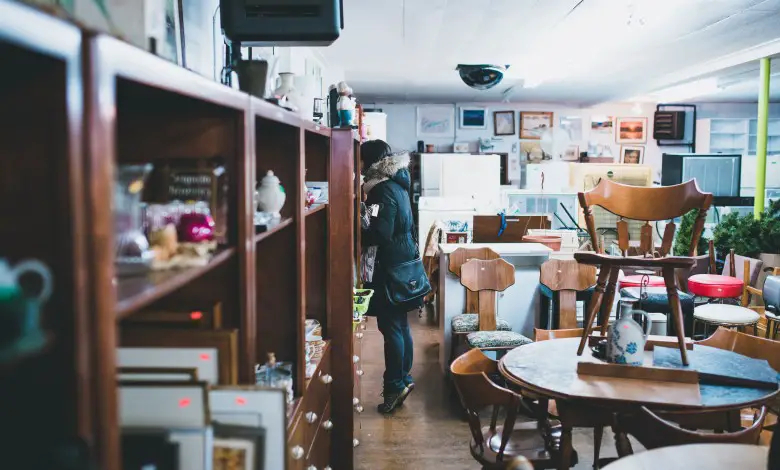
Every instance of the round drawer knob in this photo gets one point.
(355, 401)
(327, 425)
(355, 442)
(326, 379)
(359, 335)
(360, 372)
(297, 452)
(311, 417)
(327, 468)
(355, 359)
(359, 408)
(311, 467)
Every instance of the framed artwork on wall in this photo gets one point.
(435, 121)
(534, 123)
(601, 125)
(572, 153)
(504, 123)
(631, 130)
(473, 118)
(573, 125)
(632, 154)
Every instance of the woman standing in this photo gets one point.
(397, 270)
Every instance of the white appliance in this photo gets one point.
(550, 176)
(431, 209)
(375, 124)
(461, 175)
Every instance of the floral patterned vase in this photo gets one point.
(626, 341)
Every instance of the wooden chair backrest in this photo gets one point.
(470, 375)
(745, 344)
(546, 335)
(462, 255)
(653, 432)
(487, 278)
(567, 277)
(645, 204)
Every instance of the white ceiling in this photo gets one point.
(584, 51)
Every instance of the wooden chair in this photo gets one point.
(496, 445)
(653, 432)
(575, 416)
(566, 278)
(488, 278)
(647, 204)
(468, 322)
(430, 259)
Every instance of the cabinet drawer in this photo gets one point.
(319, 454)
(296, 446)
(315, 398)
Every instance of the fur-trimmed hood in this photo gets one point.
(393, 167)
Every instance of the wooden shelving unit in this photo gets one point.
(108, 103)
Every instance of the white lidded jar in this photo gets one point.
(270, 196)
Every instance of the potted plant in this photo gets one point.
(750, 237)
(682, 242)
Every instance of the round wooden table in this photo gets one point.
(709, 456)
(549, 368)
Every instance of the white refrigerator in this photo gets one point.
(461, 175)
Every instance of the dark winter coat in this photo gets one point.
(391, 231)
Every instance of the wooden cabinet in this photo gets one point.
(108, 103)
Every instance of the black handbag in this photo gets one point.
(406, 282)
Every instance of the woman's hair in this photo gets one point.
(373, 151)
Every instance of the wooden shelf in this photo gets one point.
(316, 208)
(272, 230)
(134, 293)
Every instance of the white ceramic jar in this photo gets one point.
(270, 196)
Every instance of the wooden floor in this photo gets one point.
(426, 433)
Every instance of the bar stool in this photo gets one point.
(723, 287)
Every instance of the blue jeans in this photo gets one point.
(399, 350)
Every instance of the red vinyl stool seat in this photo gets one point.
(715, 286)
(636, 281)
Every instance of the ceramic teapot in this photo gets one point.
(20, 331)
(626, 340)
(270, 196)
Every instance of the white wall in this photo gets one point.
(402, 126)
(734, 110)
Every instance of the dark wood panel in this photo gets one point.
(340, 268)
(486, 227)
(46, 397)
(277, 148)
(317, 157)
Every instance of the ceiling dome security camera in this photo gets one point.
(481, 77)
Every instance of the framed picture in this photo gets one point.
(632, 154)
(601, 125)
(257, 407)
(460, 147)
(157, 374)
(631, 130)
(473, 118)
(504, 123)
(435, 121)
(151, 404)
(572, 153)
(180, 315)
(204, 360)
(572, 125)
(224, 341)
(534, 123)
(238, 447)
(172, 47)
